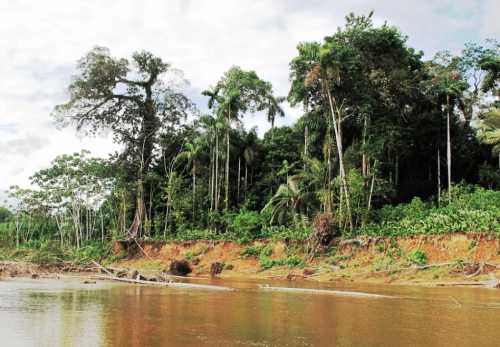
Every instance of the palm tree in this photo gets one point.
(492, 78)
(289, 194)
(450, 93)
(272, 105)
(315, 178)
(228, 108)
(193, 156)
(490, 132)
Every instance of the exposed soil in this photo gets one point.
(466, 258)
(362, 260)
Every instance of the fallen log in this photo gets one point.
(320, 291)
(128, 280)
(102, 268)
(292, 275)
(167, 284)
(446, 284)
(416, 267)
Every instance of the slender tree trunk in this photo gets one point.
(239, 170)
(329, 207)
(246, 179)
(212, 187)
(448, 151)
(439, 176)
(272, 128)
(396, 179)
(141, 214)
(306, 140)
(227, 170)
(102, 227)
(364, 143)
(194, 188)
(216, 169)
(338, 138)
(390, 161)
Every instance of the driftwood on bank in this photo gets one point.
(102, 268)
(320, 291)
(414, 268)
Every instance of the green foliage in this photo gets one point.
(471, 210)
(42, 258)
(381, 263)
(251, 251)
(417, 257)
(294, 261)
(96, 251)
(246, 223)
(5, 214)
(116, 258)
(264, 261)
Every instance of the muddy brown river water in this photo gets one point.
(70, 313)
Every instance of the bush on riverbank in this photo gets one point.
(471, 210)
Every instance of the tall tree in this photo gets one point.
(450, 93)
(130, 99)
(193, 156)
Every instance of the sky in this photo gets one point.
(40, 42)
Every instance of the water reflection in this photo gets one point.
(69, 313)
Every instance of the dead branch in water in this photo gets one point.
(167, 284)
(319, 291)
(290, 275)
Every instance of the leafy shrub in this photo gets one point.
(379, 264)
(252, 251)
(294, 261)
(43, 258)
(473, 209)
(264, 261)
(246, 223)
(267, 251)
(417, 257)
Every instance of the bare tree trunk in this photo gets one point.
(140, 214)
(239, 177)
(397, 171)
(212, 185)
(216, 169)
(246, 179)
(364, 143)
(194, 189)
(338, 138)
(102, 226)
(329, 207)
(272, 128)
(439, 176)
(227, 170)
(448, 145)
(390, 161)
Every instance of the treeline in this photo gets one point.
(380, 128)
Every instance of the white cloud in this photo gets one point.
(41, 41)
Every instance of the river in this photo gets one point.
(69, 313)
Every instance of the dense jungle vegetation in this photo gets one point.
(388, 144)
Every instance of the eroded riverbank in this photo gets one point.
(461, 258)
(471, 259)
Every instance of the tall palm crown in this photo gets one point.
(272, 105)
